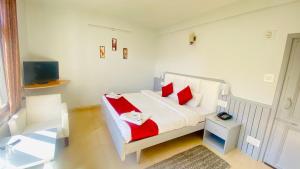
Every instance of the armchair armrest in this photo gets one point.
(65, 120)
(17, 123)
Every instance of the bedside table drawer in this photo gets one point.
(216, 129)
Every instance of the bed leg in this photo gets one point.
(138, 156)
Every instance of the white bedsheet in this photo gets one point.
(167, 114)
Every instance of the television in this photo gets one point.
(40, 72)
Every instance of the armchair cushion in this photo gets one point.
(42, 126)
(42, 116)
(43, 108)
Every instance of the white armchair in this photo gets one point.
(42, 112)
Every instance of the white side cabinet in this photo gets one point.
(221, 134)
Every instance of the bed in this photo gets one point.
(173, 120)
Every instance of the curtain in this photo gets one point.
(10, 53)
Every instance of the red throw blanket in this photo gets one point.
(147, 129)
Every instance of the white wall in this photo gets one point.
(233, 49)
(22, 27)
(230, 46)
(63, 34)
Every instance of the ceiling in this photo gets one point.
(155, 14)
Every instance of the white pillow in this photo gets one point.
(210, 93)
(195, 101)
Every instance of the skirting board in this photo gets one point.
(84, 108)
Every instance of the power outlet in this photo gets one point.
(253, 141)
(222, 103)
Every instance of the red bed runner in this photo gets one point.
(147, 129)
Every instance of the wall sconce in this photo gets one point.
(192, 38)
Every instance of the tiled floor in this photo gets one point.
(91, 147)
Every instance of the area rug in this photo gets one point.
(198, 157)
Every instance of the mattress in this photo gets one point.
(167, 114)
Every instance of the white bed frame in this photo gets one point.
(124, 148)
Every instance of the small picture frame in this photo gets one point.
(125, 53)
(114, 42)
(102, 52)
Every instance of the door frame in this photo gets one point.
(279, 88)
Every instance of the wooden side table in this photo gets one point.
(221, 134)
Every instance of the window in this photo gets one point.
(3, 92)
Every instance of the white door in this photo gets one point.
(284, 149)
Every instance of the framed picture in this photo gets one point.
(125, 53)
(102, 51)
(114, 44)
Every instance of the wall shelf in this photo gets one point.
(51, 84)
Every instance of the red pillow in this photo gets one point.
(167, 90)
(184, 95)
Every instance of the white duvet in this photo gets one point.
(166, 113)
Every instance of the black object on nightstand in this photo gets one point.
(224, 116)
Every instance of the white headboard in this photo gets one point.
(209, 88)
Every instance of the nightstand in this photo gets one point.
(221, 134)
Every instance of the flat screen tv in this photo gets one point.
(39, 72)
